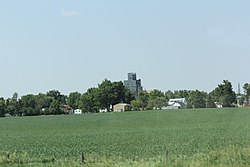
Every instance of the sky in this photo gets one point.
(72, 45)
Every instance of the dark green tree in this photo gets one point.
(28, 105)
(128, 96)
(246, 88)
(156, 100)
(143, 98)
(2, 107)
(118, 94)
(136, 105)
(12, 105)
(197, 99)
(110, 93)
(55, 108)
(104, 95)
(169, 95)
(56, 94)
(88, 102)
(182, 94)
(210, 102)
(141, 103)
(73, 99)
(224, 94)
(43, 103)
(157, 103)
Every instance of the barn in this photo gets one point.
(121, 107)
(177, 103)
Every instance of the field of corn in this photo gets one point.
(202, 137)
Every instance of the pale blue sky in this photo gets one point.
(72, 45)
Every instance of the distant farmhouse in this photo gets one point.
(69, 110)
(121, 107)
(78, 111)
(177, 103)
(133, 84)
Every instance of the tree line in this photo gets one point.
(108, 93)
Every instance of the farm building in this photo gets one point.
(78, 111)
(121, 107)
(218, 105)
(67, 109)
(103, 110)
(133, 84)
(177, 103)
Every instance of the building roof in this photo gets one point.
(67, 107)
(177, 105)
(121, 104)
(182, 100)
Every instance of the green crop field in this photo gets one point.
(202, 137)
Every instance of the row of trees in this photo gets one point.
(109, 93)
(223, 95)
(53, 102)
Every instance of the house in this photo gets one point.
(177, 103)
(218, 105)
(121, 107)
(103, 110)
(67, 109)
(7, 115)
(78, 111)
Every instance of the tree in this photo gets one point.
(169, 95)
(104, 95)
(182, 94)
(43, 103)
(157, 103)
(35, 104)
(148, 101)
(55, 108)
(57, 96)
(246, 88)
(210, 102)
(197, 99)
(73, 99)
(136, 105)
(88, 102)
(28, 105)
(128, 96)
(110, 93)
(143, 98)
(2, 107)
(12, 105)
(224, 94)
(118, 93)
(156, 100)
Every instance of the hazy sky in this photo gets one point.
(72, 45)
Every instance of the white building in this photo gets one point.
(177, 103)
(218, 105)
(78, 111)
(103, 110)
(121, 107)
